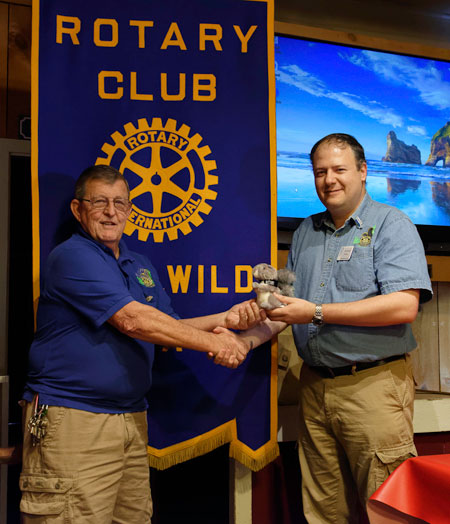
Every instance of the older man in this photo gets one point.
(102, 309)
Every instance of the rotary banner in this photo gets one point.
(179, 96)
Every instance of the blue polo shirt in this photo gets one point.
(377, 251)
(77, 359)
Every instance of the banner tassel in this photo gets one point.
(270, 453)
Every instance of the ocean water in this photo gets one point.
(422, 192)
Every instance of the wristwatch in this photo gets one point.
(317, 319)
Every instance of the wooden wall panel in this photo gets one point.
(425, 358)
(417, 26)
(444, 334)
(3, 67)
(19, 68)
(440, 267)
(282, 258)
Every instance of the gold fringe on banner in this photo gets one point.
(195, 447)
(254, 460)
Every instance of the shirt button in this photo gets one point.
(322, 284)
(329, 260)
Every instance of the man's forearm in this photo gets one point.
(147, 323)
(261, 333)
(243, 315)
(206, 323)
(382, 310)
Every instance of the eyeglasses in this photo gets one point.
(120, 204)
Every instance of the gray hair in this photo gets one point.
(107, 174)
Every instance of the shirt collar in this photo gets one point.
(322, 220)
(360, 213)
(124, 252)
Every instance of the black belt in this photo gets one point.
(327, 372)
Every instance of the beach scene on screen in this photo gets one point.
(396, 106)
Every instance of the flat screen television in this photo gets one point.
(397, 106)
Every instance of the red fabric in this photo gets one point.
(419, 487)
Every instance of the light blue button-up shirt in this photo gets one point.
(377, 251)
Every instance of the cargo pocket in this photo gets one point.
(45, 495)
(387, 460)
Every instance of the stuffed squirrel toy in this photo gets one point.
(272, 281)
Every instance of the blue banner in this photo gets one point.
(179, 96)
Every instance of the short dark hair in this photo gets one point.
(342, 140)
(107, 174)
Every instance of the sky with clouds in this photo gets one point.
(326, 88)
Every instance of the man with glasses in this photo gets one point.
(102, 309)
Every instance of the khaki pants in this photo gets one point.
(90, 468)
(354, 431)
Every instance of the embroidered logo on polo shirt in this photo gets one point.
(145, 277)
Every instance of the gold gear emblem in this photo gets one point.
(164, 167)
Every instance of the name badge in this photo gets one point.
(345, 253)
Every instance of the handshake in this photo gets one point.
(232, 348)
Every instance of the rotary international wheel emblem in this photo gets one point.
(169, 177)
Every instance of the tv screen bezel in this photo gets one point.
(434, 237)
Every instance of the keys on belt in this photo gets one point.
(37, 425)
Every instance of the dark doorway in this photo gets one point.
(20, 310)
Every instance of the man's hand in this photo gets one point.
(244, 315)
(12, 455)
(233, 350)
(296, 311)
